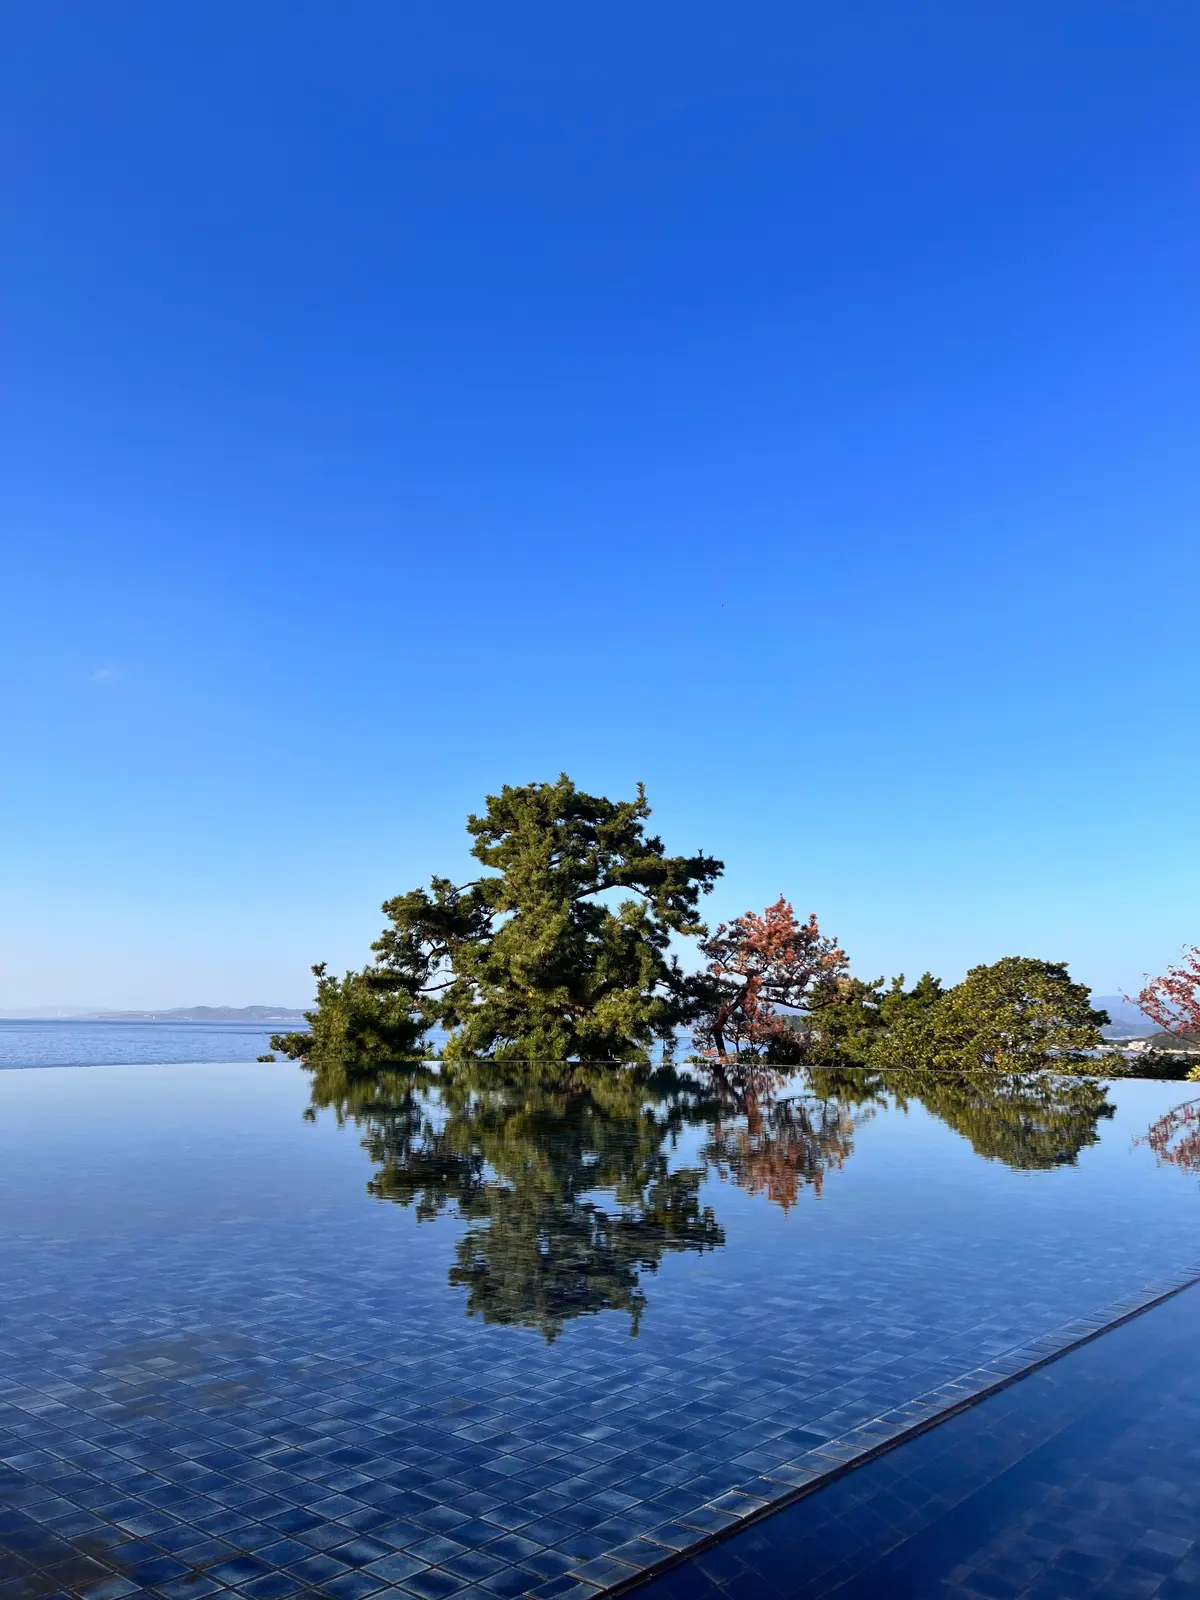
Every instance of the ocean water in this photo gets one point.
(112, 1044)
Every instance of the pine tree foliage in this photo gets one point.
(559, 950)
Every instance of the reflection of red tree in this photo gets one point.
(781, 1146)
(1173, 1001)
(1175, 1137)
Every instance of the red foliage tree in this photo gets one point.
(756, 965)
(1173, 1001)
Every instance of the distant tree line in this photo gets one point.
(566, 946)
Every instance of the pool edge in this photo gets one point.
(1041, 1352)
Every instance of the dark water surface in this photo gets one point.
(1080, 1482)
(275, 1335)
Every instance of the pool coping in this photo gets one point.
(891, 1429)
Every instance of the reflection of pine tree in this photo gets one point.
(415, 1158)
(425, 1170)
(562, 1176)
(534, 1257)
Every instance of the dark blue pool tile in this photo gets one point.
(239, 1570)
(122, 1550)
(508, 1516)
(436, 1549)
(314, 1569)
(395, 1502)
(629, 1524)
(359, 1552)
(476, 1504)
(206, 1552)
(283, 1552)
(273, 1586)
(396, 1535)
(326, 1536)
(440, 1518)
(355, 1585)
(709, 1519)
(514, 1548)
(565, 1588)
(545, 1503)
(367, 1521)
(348, 1483)
(153, 1573)
(252, 1537)
(195, 1586)
(546, 1531)
(431, 1583)
(509, 1582)
(475, 1532)
(605, 1571)
(334, 1507)
(542, 1477)
(110, 1589)
(220, 1523)
(475, 1565)
(581, 1517)
(638, 1553)
(584, 1546)
(395, 1568)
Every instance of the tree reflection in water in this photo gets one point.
(563, 1177)
(568, 1178)
(1032, 1122)
(771, 1140)
(1175, 1137)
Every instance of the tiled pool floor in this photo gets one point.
(224, 1367)
(1079, 1482)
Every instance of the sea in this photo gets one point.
(66, 1043)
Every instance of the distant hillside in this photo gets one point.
(208, 1014)
(1127, 1021)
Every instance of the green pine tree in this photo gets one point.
(559, 950)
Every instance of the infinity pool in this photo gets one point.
(275, 1334)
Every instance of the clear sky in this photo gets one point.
(794, 406)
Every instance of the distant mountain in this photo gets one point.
(1127, 1021)
(231, 1014)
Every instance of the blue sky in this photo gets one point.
(791, 406)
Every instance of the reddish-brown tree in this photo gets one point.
(1173, 1001)
(756, 965)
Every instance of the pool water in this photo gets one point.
(1079, 1482)
(274, 1333)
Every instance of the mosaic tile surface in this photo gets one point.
(1080, 1482)
(223, 1367)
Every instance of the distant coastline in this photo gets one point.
(245, 1014)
